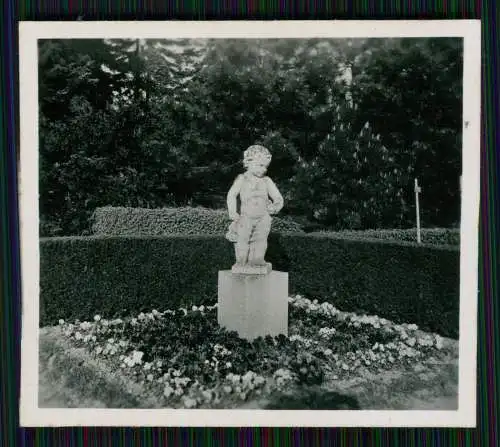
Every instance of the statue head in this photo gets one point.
(256, 159)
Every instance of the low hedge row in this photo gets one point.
(112, 276)
(437, 236)
(119, 221)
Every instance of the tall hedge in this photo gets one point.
(401, 281)
(405, 282)
(121, 221)
(82, 276)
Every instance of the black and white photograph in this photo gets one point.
(244, 223)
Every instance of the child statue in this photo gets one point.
(250, 228)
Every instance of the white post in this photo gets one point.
(417, 191)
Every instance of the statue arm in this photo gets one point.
(232, 196)
(275, 195)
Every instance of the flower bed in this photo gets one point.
(186, 360)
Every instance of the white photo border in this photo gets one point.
(31, 32)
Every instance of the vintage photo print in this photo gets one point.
(249, 223)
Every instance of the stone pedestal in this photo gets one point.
(253, 305)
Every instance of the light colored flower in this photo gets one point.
(61, 321)
(84, 325)
(189, 402)
(439, 342)
(248, 376)
(78, 336)
(97, 317)
(179, 391)
(227, 389)
(137, 356)
(411, 341)
(168, 391)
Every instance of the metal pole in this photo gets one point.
(417, 190)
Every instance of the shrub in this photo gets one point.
(438, 236)
(401, 281)
(82, 276)
(114, 276)
(168, 221)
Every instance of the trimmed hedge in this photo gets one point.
(116, 276)
(437, 236)
(116, 221)
(401, 281)
(83, 276)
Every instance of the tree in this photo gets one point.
(350, 123)
(350, 181)
(411, 92)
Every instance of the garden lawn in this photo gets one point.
(183, 359)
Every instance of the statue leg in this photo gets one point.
(259, 245)
(241, 247)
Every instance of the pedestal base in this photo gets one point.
(253, 305)
(253, 269)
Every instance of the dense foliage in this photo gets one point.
(115, 276)
(167, 221)
(402, 281)
(154, 123)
